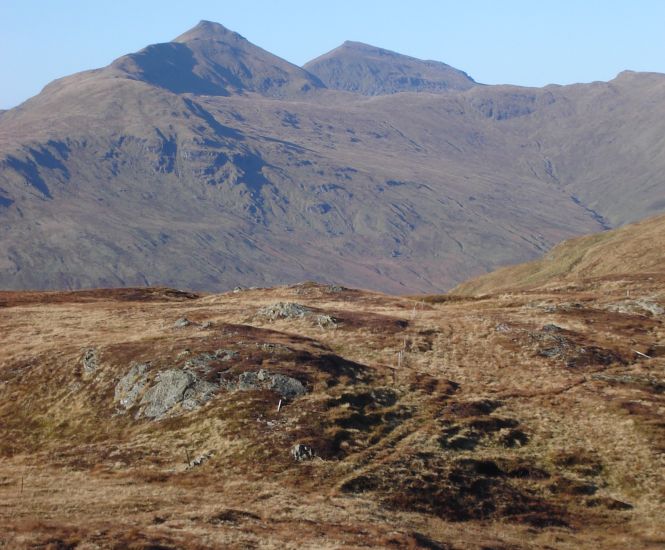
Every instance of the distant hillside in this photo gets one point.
(633, 249)
(365, 69)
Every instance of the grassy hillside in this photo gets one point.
(633, 249)
(149, 418)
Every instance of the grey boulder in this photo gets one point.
(285, 386)
(166, 393)
(176, 387)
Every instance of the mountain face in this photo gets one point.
(364, 69)
(208, 163)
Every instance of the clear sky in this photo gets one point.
(530, 43)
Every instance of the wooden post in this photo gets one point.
(279, 405)
(189, 464)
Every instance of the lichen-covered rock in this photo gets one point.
(166, 393)
(198, 394)
(202, 361)
(284, 310)
(248, 381)
(286, 386)
(90, 361)
(326, 321)
(182, 323)
(301, 452)
(169, 390)
(131, 385)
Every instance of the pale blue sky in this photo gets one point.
(523, 42)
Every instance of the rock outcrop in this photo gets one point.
(285, 386)
(132, 385)
(165, 393)
(284, 310)
(176, 387)
(293, 310)
(160, 393)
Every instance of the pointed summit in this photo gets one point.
(208, 30)
(210, 59)
(369, 70)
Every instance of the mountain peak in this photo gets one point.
(352, 45)
(370, 70)
(210, 59)
(209, 30)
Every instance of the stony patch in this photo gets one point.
(90, 361)
(182, 323)
(285, 386)
(284, 310)
(131, 385)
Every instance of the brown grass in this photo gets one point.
(477, 440)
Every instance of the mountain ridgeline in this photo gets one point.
(208, 162)
(357, 67)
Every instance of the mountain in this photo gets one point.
(207, 163)
(365, 69)
(212, 60)
(634, 249)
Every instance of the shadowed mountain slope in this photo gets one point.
(207, 163)
(365, 69)
(637, 248)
